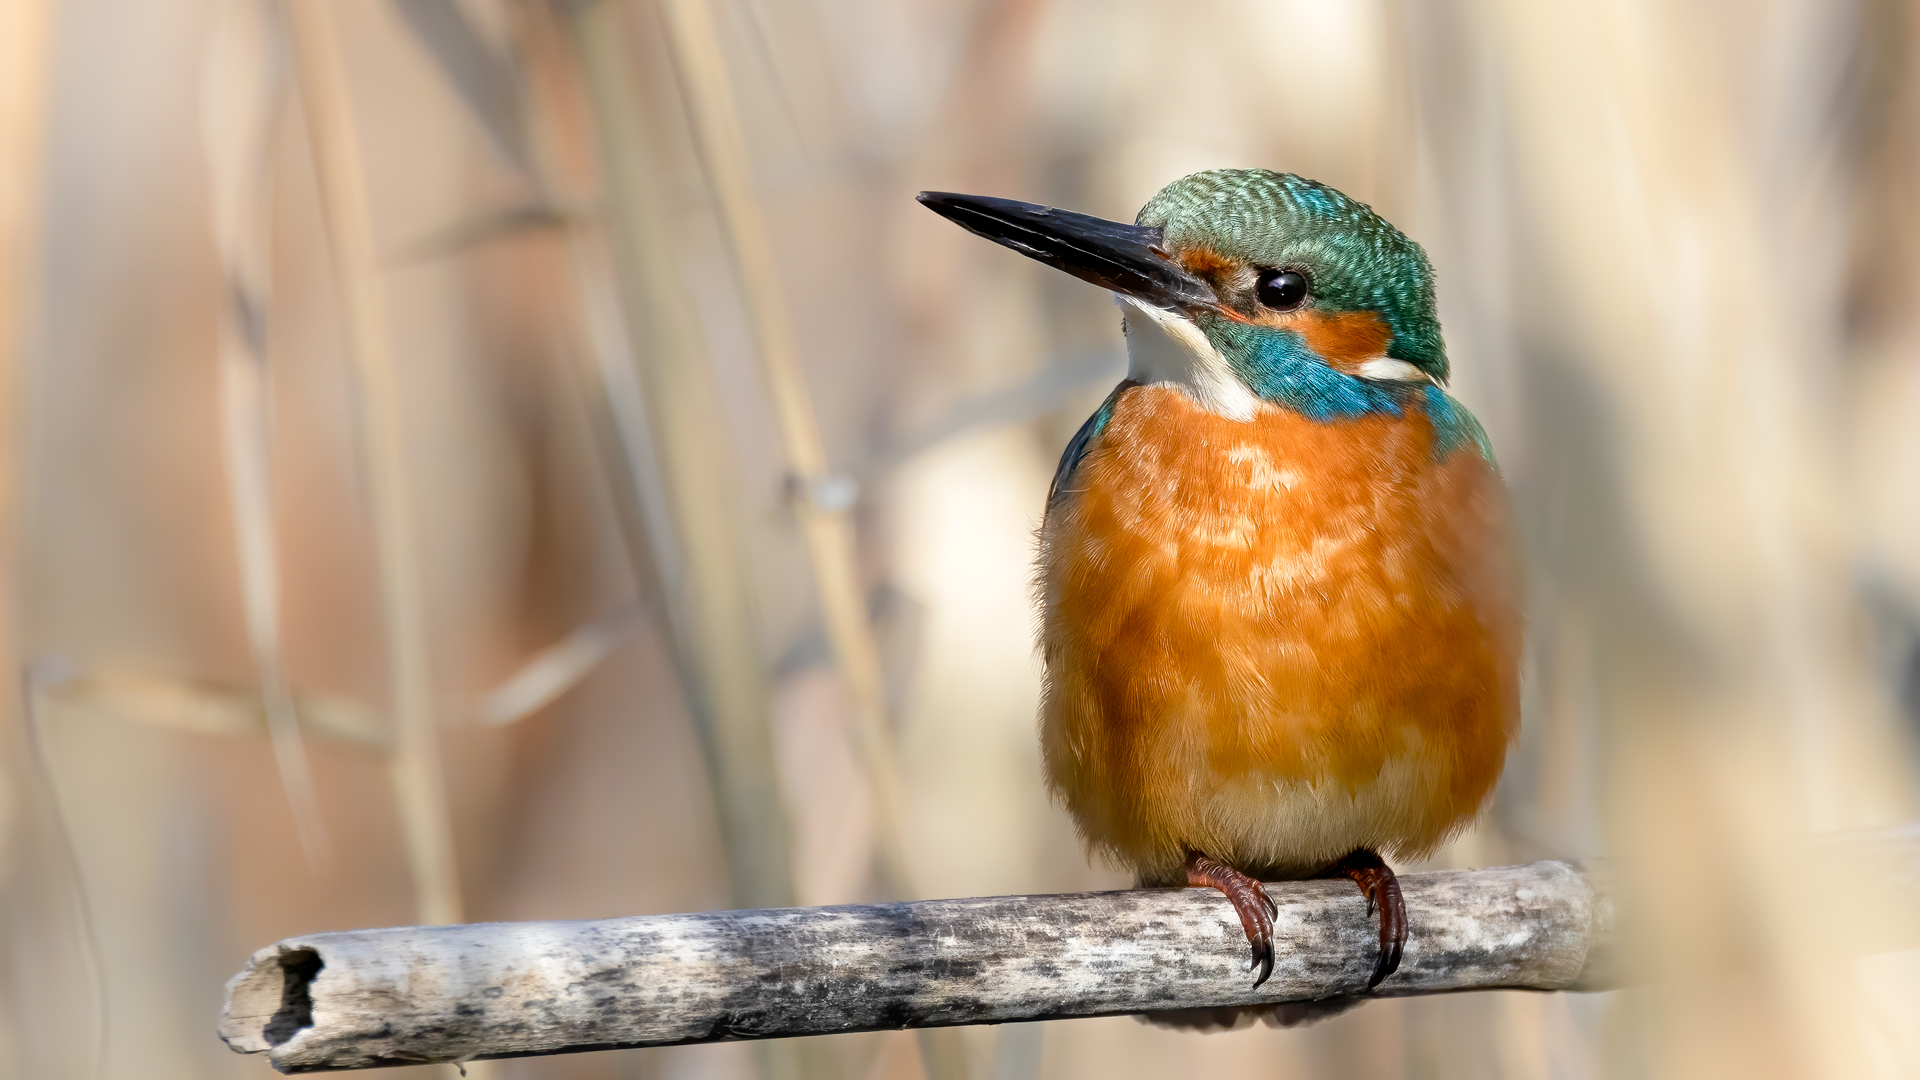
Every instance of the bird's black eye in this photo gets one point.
(1281, 290)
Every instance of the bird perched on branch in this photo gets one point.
(1280, 630)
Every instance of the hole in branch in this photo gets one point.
(298, 967)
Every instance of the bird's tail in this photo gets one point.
(1283, 1014)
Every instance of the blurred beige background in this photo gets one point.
(401, 527)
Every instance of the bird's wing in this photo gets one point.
(1083, 440)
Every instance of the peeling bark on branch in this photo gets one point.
(412, 995)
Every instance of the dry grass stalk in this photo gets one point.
(66, 858)
(667, 421)
(23, 57)
(205, 707)
(40, 1032)
(469, 233)
(208, 708)
(419, 786)
(24, 35)
(555, 669)
(483, 78)
(660, 433)
(487, 84)
(1734, 709)
(242, 100)
(822, 509)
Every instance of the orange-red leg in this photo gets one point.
(1251, 902)
(1368, 870)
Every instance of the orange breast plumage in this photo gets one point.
(1274, 641)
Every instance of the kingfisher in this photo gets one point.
(1280, 619)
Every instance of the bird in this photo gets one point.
(1280, 618)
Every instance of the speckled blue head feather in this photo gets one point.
(1354, 259)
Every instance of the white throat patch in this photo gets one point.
(1166, 348)
(1392, 370)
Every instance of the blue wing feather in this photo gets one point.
(1082, 441)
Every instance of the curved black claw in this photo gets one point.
(1371, 873)
(1251, 902)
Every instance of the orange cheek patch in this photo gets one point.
(1206, 263)
(1345, 340)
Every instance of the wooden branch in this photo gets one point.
(425, 994)
(413, 995)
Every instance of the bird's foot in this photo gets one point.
(1251, 902)
(1368, 870)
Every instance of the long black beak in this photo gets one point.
(1127, 259)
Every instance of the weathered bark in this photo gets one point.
(421, 994)
(454, 993)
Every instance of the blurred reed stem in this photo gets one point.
(483, 79)
(419, 787)
(557, 668)
(822, 510)
(666, 449)
(242, 96)
(821, 499)
(24, 37)
(23, 57)
(692, 538)
(40, 1017)
(206, 708)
